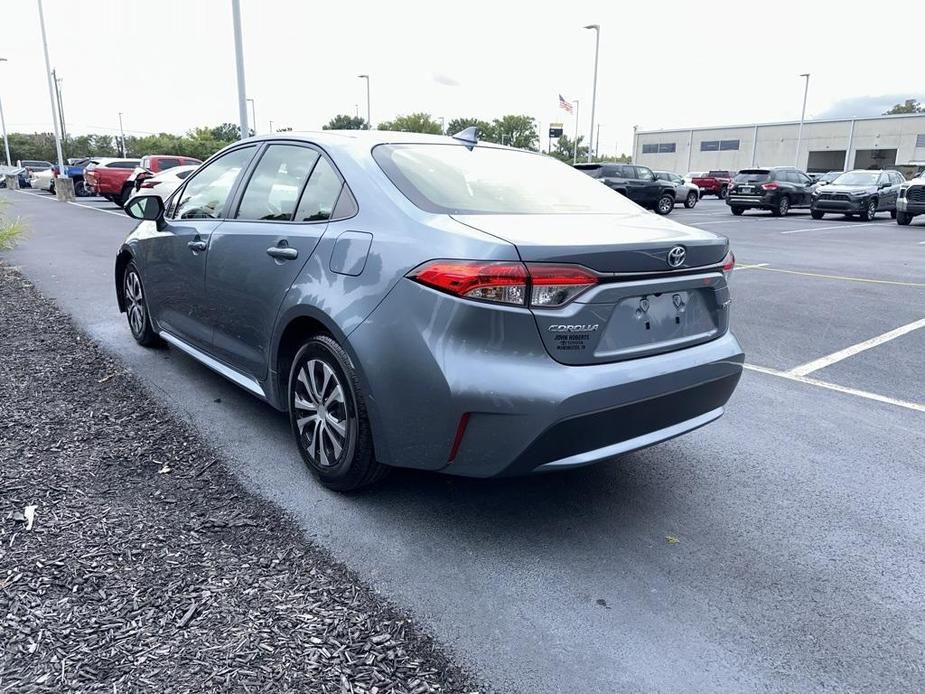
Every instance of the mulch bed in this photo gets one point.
(147, 566)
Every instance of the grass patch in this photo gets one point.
(10, 230)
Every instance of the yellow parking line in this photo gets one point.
(839, 277)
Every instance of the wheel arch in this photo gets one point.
(123, 258)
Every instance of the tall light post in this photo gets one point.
(369, 118)
(6, 142)
(597, 47)
(239, 67)
(122, 134)
(575, 144)
(51, 91)
(253, 117)
(802, 118)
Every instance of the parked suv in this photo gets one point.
(779, 189)
(861, 192)
(638, 183)
(684, 192)
(911, 201)
(434, 303)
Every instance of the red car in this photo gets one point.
(153, 165)
(107, 177)
(714, 183)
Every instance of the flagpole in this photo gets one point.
(575, 144)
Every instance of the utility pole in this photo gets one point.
(271, 127)
(239, 67)
(51, 92)
(253, 118)
(369, 118)
(802, 118)
(597, 47)
(6, 142)
(575, 144)
(58, 81)
(597, 142)
(122, 135)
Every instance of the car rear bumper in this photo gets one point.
(486, 367)
(751, 201)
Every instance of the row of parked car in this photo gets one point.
(114, 178)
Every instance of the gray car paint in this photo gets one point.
(423, 357)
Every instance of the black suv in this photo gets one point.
(638, 183)
(861, 192)
(778, 188)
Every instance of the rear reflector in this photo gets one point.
(457, 440)
(544, 285)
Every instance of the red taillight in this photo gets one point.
(457, 440)
(769, 186)
(150, 184)
(729, 262)
(543, 285)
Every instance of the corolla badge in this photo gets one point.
(676, 256)
(573, 328)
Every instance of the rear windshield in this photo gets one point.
(451, 179)
(592, 170)
(752, 177)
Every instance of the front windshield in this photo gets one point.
(858, 178)
(488, 180)
(830, 176)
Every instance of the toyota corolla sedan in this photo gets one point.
(434, 302)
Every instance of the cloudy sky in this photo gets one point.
(168, 65)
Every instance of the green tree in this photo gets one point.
(910, 106)
(563, 151)
(228, 132)
(413, 123)
(516, 131)
(459, 124)
(344, 122)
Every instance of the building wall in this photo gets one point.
(777, 143)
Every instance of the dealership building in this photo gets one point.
(838, 144)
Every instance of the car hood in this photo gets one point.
(832, 188)
(617, 242)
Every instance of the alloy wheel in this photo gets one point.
(784, 206)
(665, 204)
(134, 303)
(323, 420)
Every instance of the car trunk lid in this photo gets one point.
(641, 305)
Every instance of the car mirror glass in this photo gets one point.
(146, 207)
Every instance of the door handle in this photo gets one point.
(197, 245)
(283, 252)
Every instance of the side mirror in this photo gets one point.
(885, 184)
(149, 208)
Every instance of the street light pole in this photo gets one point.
(6, 142)
(369, 118)
(575, 144)
(51, 91)
(802, 118)
(597, 47)
(122, 134)
(253, 117)
(239, 67)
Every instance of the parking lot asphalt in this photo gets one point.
(778, 549)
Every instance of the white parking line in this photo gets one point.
(840, 226)
(91, 207)
(750, 267)
(918, 407)
(830, 359)
(845, 278)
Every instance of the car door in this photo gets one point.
(646, 186)
(804, 187)
(256, 255)
(174, 259)
(889, 194)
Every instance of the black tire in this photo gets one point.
(691, 199)
(136, 308)
(123, 197)
(723, 192)
(782, 207)
(341, 462)
(893, 214)
(737, 211)
(665, 204)
(80, 190)
(817, 214)
(870, 211)
(903, 219)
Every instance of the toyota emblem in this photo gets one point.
(676, 256)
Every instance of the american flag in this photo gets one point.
(564, 104)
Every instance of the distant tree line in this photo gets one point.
(910, 106)
(200, 143)
(513, 130)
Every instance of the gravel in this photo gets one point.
(131, 559)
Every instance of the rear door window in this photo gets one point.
(273, 189)
(321, 193)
